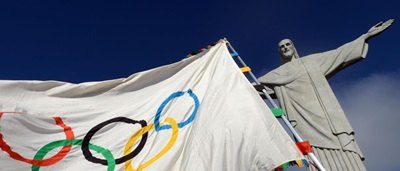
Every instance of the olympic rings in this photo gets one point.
(85, 143)
(166, 101)
(46, 162)
(132, 140)
(109, 160)
(48, 147)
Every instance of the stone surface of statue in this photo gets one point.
(304, 93)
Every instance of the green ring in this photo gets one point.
(50, 146)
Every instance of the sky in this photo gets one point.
(80, 41)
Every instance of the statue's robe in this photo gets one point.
(302, 88)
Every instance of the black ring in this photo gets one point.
(86, 140)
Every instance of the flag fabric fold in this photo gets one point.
(200, 113)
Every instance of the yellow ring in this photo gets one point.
(137, 135)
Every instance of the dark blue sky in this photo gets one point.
(78, 41)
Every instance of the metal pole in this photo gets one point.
(285, 120)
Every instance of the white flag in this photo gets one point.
(197, 114)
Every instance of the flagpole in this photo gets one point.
(271, 101)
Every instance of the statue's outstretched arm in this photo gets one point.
(378, 29)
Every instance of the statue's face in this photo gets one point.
(286, 48)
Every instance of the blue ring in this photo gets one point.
(165, 103)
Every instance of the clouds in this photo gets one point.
(372, 105)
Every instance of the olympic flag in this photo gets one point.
(197, 114)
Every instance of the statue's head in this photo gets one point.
(287, 50)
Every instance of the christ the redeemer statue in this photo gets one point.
(302, 88)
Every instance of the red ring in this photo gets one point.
(45, 162)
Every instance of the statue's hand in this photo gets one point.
(379, 28)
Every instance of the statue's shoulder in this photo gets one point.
(289, 67)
